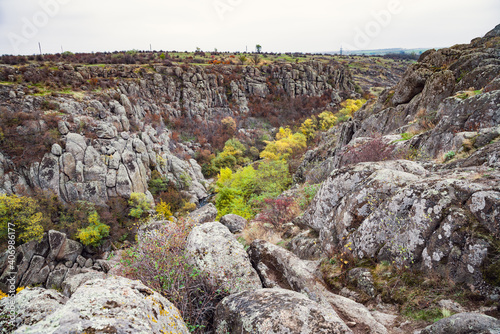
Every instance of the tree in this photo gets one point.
(258, 47)
(286, 145)
(242, 59)
(255, 59)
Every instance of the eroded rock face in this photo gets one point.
(279, 268)
(113, 140)
(49, 262)
(113, 305)
(33, 305)
(387, 212)
(215, 250)
(275, 311)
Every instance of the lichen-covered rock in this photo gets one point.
(280, 268)
(72, 283)
(233, 222)
(276, 311)
(32, 305)
(215, 250)
(113, 305)
(464, 323)
(362, 279)
(381, 211)
(206, 213)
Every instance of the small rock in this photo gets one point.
(234, 223)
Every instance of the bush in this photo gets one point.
(21, 215)
(374, 150)
(163, 210)
(279, 211)
(243, 191)
(94, 232)
(160, 263)
(139, 205)
(285, 146)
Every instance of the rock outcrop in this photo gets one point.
(448, 101)
(113, 305)
(112, 140)
(279, 268)
(398, 211)
(464, 323)
(275, 311)
(51, 263)
(215, 250)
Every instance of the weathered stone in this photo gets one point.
(280, 268)
(275, 311)
(464, 323)
(69, 251)
(113, 305)
(363, 280)
(34, 275)
(73, 282)
(89, 263)
(206, 213)
(56, 150)
(76, 145)
(212, 248)
(57, 241)
(234, 223)
(56, 277)
(33, 305)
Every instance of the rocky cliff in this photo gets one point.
(438, 210)
(103, 137)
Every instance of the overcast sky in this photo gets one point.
(232, 25)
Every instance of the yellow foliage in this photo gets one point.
(163, 210)
(188, 207)
(308, 127)
(224, 175)
(285, 145)
(94, 232)
(326, 120)
(21, 215)
(353, 105)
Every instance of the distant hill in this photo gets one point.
(382, 52)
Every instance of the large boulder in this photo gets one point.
(464, 323)
(113, 305)
(277, 311)
(32, 305)
(396, 211)
(213, 249)
(280, 268)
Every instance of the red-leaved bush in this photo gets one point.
(279, 211)
(159, 261)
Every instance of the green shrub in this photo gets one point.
(243, 191)
(139, 205)
(449, 155)
(94, 232)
